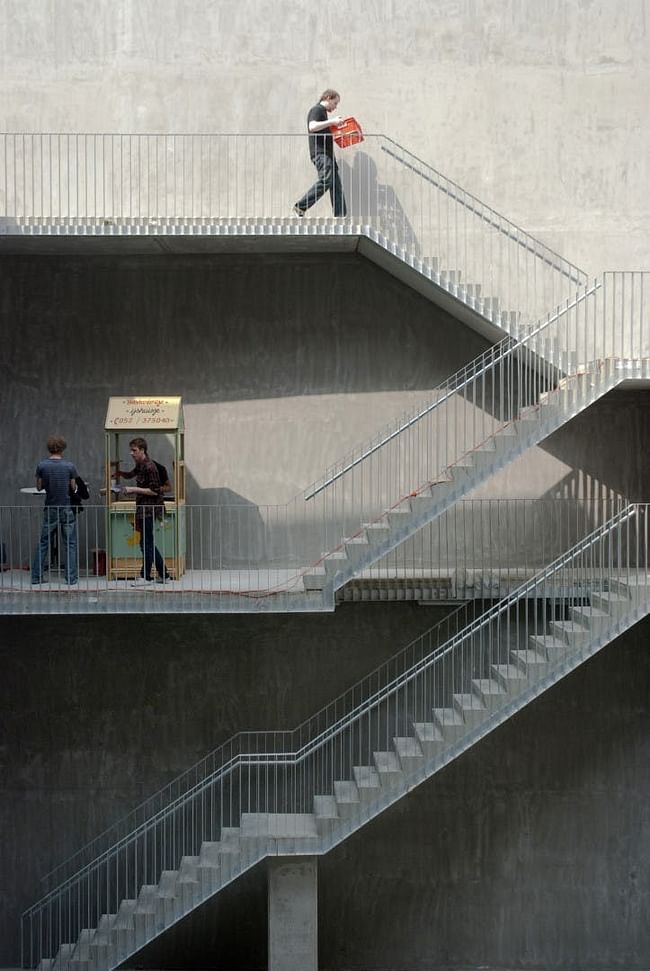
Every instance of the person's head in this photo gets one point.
(138, 449)
(56, 444)
(330, 99)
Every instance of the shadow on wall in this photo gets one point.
(375, 202)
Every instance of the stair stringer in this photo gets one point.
(264, 834)
(470, 471)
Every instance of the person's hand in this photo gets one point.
(128, 490)
(336, 120)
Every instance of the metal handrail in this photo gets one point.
(489, 215)
(498, 353)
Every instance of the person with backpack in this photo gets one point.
(149, 507)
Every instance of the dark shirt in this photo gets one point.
(146, 477)
(320, 143)
(55, 474)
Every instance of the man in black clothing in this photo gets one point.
(149, 506)
(321, 152)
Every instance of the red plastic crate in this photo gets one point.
(347, 133)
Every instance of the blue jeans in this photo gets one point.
(328, 179)
(57, 518)
(150, 551)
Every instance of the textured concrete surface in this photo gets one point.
(528, 853)
(538, 107)
(284, 363)
(97, 715)
(293, 914)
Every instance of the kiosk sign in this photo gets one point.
(139, 413)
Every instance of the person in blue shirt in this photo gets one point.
(321, 152)
(58, 478)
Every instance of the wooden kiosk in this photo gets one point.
(149, 417)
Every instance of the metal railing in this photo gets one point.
(556, 369)
(112, 183)
(239, 558)
(285, 772)
(510, 397)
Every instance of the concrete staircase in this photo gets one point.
(432, 738)
(535, 422)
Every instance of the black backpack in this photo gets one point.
(76, 498)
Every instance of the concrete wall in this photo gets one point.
(538, 107)
(284, 364)
(528, 852)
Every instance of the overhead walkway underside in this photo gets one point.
(444, 287)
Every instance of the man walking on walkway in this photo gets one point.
(321, 152)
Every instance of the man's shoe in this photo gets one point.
(167, 579)
(35, 583)
(141, 581)
(298, 211)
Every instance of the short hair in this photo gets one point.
(56, 444)
(139, 443)
(329, 93)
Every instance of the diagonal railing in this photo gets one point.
(482, 664)
(512, 396)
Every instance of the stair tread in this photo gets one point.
(448, 716)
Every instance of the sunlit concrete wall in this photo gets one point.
(284, 363)
(539, 107)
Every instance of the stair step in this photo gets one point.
(635, 586)
(510, 676)
(450, 722)
(347, 798)
(325, 807)
(356, 548)
(167, 885)
(230, 839)
(491, 692)
(471, 708)
(548, 645)
(63, 957)
(278, 826)
(187, 871)
(367, 781)
(388, 768)
(376, 532)
(430, 738)
(422, 503)
(399, 516)
(334, 562)
(145, 915)
(326, 814)
(593, 618)
(315, 580)
(611, 601)
(408, 751)
(529, 660)
(573, 632)
(124, 917)
(82, 947)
